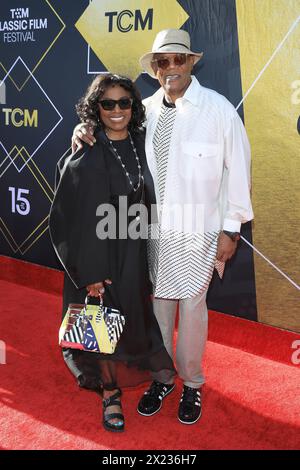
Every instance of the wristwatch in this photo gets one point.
(235, 236)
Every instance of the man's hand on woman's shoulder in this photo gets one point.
(83, 132)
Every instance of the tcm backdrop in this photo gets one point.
(50, 51)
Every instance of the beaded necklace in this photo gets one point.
(119, 158)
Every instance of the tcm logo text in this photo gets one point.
(127, 20)
(20, 118)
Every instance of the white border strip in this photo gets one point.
(270, 60)
(272, 264)
(294, 25)
(88, 71)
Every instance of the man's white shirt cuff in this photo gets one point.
(232, 225)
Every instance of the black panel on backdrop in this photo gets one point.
(44, 60)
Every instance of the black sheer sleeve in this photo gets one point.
(83, 185)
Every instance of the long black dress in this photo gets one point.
(90, 177)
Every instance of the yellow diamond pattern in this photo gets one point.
(104, 22)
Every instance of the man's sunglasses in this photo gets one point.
(164, 62)
(123, 103)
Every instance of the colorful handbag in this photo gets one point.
(93, 328)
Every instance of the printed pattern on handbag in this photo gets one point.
(115, 324)
(89, 339)
(75, 334)
(91, 328)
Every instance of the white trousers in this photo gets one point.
(191, 338)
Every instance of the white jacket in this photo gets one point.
(209, 159)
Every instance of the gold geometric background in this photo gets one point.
(34, 172)
(31, 168)
(269, 35)
(39, 59)
(269, 38)
(120, 52)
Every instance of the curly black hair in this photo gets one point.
(88, 108)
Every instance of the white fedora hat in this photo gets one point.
(169, 41)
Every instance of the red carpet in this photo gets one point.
(251, 398)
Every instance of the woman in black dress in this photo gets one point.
(115, 266)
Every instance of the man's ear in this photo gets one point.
(194, 59)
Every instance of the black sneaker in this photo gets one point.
(151, 401)
(189, 410)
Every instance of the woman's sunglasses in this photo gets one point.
(164, 63)
(123, 103)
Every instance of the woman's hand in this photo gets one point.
(94, 290)
(83, 132)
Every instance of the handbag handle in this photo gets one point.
(86, 301)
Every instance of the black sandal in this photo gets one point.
(113, 427)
